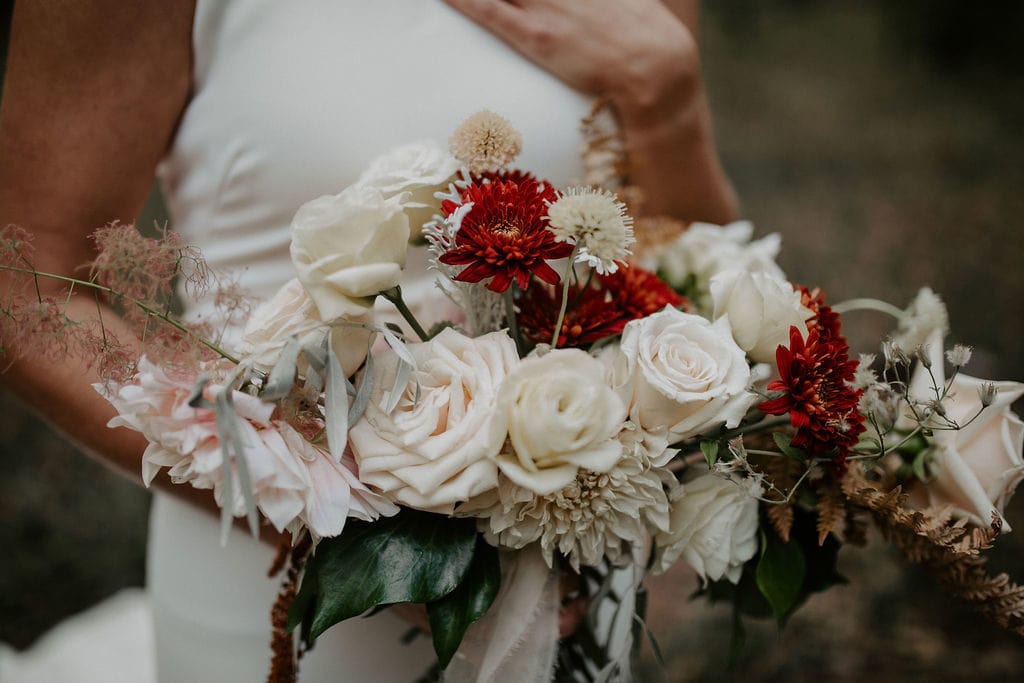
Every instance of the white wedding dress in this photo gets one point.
(291, 100)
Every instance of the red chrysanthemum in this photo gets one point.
(639, 293)
(814, 374)
(590, 315)
(824, 319)
(601, 310)
(504, 236)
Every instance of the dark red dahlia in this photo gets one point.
(590, 315)
(504, 235)
(599, 310)
(639, 293)
(814, 374)
(824, 319)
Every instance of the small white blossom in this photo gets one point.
(864, 376)
(959, 355)
(595, 220)
(924, 315)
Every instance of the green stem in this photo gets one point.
(149, 310)
(565, 297)
(513, 324)
(868, 304)
(762, 425)
(394, 295)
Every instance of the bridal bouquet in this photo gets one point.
(594, 397)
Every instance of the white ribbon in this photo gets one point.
(517, 640)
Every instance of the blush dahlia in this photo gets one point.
(503, 235)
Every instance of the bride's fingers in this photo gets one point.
(505, 19)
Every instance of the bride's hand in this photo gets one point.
(645, 59)
(635, 51)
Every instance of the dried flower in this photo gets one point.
(596, 221)
(485, 142)
(959, 355)
(987, 392)
(925, 314)
(864, 376)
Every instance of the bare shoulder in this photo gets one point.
(92, 94)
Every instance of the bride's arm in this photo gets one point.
(642, 55)
(92, 94)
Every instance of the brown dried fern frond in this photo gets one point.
(831, 507)
(781, 474)
(947, 549)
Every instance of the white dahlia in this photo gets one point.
(597, 515)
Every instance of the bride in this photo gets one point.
(247, 109)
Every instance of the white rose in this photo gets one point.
(974, 469)
(684, 373)
(712, 525)
(561, 416)
(761, 309)
(703, 250)
(291, 313)
(419, 169)
(349, 247)
(439, 450)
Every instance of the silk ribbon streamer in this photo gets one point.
(517, 640)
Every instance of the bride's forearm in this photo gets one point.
(674, 163)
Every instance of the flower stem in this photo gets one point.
(394, 295)
(513, 324)
(149, 310)
(565, 297)
(868, 304)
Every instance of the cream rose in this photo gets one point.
(419, 169)
(683, 373)
(761, 309)
(712, 525)
(974, 469)
(703, 250)
(349, 247)
(561, 417)
(291, 313)
(438, 450)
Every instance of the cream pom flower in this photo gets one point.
(925, 314)
(485, 142)
(561, 417)
(596, 221)
(713, 526)
(596, 515)
(437, 447)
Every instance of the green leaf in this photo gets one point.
(452, 615)
(300, 612)
(918, 467)
(411, 557)
(710, 451)
(780, 573)
(782, 440)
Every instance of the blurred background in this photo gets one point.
(882, 140)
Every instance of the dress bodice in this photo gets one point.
(291, 100)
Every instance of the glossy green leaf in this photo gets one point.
(411, 557)
(454, 613)
(780, 573)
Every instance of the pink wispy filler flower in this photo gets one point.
(295, 483)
